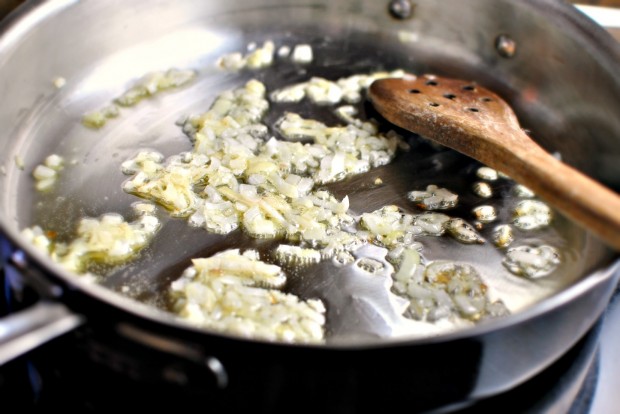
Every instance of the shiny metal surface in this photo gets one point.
(32, 328)
(606, 399)
(564, 86)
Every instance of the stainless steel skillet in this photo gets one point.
(101, 47)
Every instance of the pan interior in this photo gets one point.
(359, 306)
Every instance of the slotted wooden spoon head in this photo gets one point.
(456, 113)
(478, 123)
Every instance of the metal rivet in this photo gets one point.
(218, 370)
(505, 46)
(19, 259)
(401, 9)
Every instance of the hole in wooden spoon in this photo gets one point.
(432, 83)
(473, 109)
(469, 88)
(414, 91)
(450, 96)
(434, 104)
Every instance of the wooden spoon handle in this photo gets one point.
(574, 194)
(478, 123)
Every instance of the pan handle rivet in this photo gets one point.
(401, 9)
(218, 370)
(505, 46)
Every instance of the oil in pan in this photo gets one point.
(289, 173)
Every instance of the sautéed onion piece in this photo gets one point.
(239, 294)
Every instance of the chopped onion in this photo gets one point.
(463, 231)
(487, 173)
(522, 191)
(302, 53)
(444, 289)
(237, 293)
(434, 198)
(531, 215)
(370, 265)
(295, 255)
(532, 261)
(482, 189)
(109, 240)
(148, 86)
(485, 214)
(258, 58)
(503, 235)
(237, 176)
(46, 174)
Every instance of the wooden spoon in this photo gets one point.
(480, 124)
